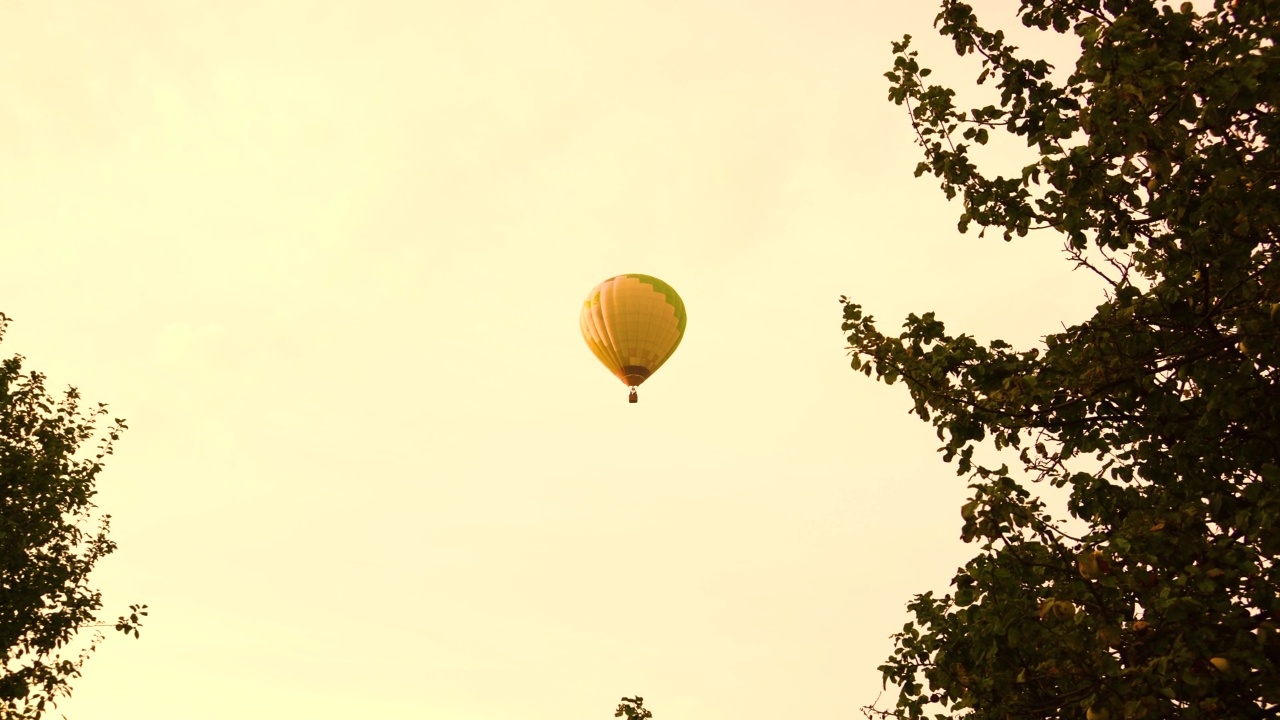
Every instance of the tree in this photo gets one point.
(1155, 162)
(48, 542)
(633, 709)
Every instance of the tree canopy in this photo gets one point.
(1154, 162)
(50, 538)
(633, 709)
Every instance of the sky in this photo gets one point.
(327, 259)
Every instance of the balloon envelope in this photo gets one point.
(633, 323)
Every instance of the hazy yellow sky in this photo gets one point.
(327, 259)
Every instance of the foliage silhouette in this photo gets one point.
(633, 709)
(48, 542)
(1155, 162)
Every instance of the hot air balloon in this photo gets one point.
(633, 323)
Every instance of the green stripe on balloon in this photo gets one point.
(668, 292)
